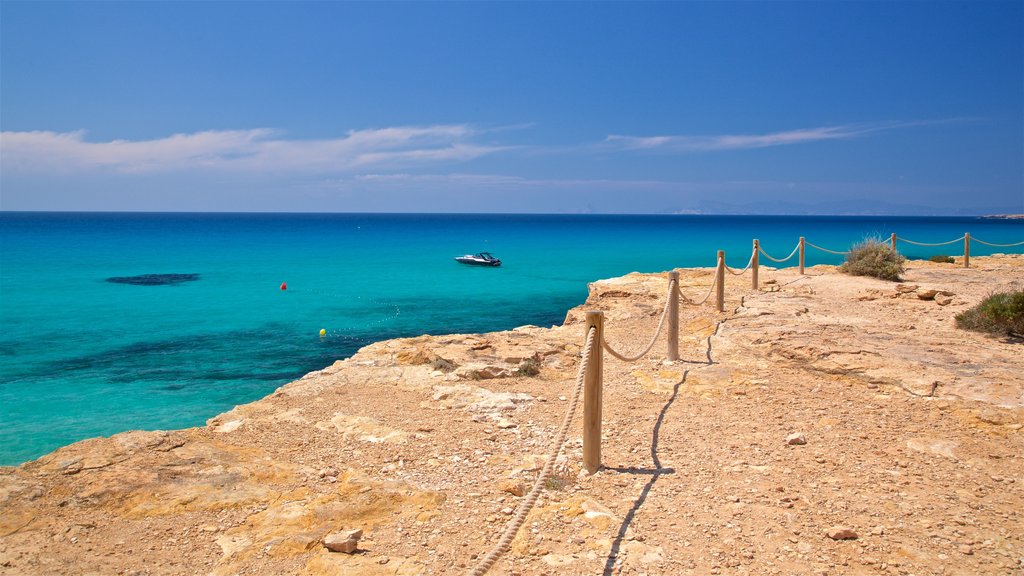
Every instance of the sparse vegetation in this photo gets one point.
(1000, 313)
(942, 259)
(443, 365)
(555, 482)
(875, 258)
(528, 367)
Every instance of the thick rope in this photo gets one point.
(973, 239)
(745, 268)
(711, 289)
(657, 332)
(791, 254)
(826, 249)
(935, 244)
(505, 542)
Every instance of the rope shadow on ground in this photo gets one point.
(655, 473)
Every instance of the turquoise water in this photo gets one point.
(82, 357)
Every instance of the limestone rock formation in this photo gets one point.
(913, 448)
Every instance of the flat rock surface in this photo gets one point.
(912, 430)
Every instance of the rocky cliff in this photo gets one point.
(823, 424)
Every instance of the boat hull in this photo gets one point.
(475, 262)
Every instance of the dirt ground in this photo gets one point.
(817, 405)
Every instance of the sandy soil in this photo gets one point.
(911, 428)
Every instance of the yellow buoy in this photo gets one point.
(323, 332)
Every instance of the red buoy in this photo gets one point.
(284, 285)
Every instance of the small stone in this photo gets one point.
(878, 530)
(841, 533)
(514, 488)
(796, 439)
(965, 550)
(344, 541)
(383, 560)
(507, 511)
(943, 300)
(906, 288)
(927, 294)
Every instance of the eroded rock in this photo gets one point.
(345, 541)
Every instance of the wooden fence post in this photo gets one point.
(801, 255)
(720, 282)
(754, 263)
(967, 250)
(592, 390)
(673, 316)
(892, 240)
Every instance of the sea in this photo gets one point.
(82, 356)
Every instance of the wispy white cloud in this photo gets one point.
(382, 150)
(684, 143)
(256, 151)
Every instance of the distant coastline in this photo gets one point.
(1005, 216)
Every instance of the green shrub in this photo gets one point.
(1000, 313)
(443, 365)
(873, 257)
(942, 259)
(528, 367)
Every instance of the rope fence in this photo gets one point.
(935, 243)
(528, 502)
(589, 377)
(791, 254)
(672, 287)
(998, 245)
(745, 268)
(827, 250)
(685, 300)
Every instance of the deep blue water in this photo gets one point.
(82, 357)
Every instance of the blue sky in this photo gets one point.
(717, 107)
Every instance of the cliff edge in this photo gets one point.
(822, 424)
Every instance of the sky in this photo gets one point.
(826, 107)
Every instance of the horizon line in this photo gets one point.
(441, 213)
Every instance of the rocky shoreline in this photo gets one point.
(823, 424)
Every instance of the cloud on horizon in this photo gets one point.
(257, 150)
(380, 150)
(683, 143)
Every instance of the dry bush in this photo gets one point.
(443, 365)
(875, 258)
(1000, 313)
(942, 259)
(528, 367)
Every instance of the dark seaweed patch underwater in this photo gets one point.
(154, 279)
